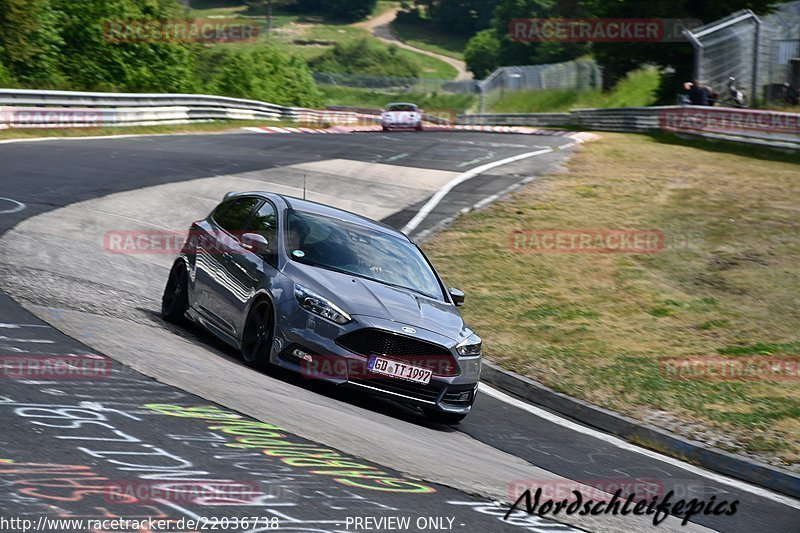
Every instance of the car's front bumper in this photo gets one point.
(308, 346)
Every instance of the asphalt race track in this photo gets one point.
(178, 406)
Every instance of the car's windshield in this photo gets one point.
(337, 245)
(402, 107)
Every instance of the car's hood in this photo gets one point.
(359, 296)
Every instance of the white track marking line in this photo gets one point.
(444, 191)
(32, 341)
(17, 326)
(619, 443)
(103, 137)
(19, 207)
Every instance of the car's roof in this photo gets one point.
(309, 206)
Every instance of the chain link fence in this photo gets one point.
(757, 51)
(578, 75)
(575, 75)
(397, 85)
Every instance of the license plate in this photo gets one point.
(395, 369)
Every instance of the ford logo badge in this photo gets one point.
(409, 330)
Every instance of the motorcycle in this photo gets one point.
(736, 97)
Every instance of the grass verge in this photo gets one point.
(423, 35)
(431, 102)
(638, 89)
(205, 127)
(599, 326)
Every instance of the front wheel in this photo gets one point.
(175, 300)
(257, 335)
(449, 419)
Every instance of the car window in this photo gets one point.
(361, 251)
(233, 218)
(402, 107)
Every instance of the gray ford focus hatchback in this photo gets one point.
(331, 295)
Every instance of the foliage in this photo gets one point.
(265, 74)
(482, 54)
(616, 59)
(67, 44)
(30, 41)
(349, 10)
(459, 17)
(441, 104)
(365, 56)
(637, 89)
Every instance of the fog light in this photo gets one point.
(300, 354)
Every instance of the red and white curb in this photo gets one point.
(519, 130)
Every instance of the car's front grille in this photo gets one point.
(371, 341)
(418, 391)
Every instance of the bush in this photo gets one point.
(364, 56)
(349, 10)
(482, 53)
(265, 74)
(6, 81)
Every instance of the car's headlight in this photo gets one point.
(470, 347)
(314, 303)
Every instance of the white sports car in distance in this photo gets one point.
(401, 116)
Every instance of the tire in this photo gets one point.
(257, 335)
(419, 128)
(175, 300)
(449, 419)
(385, 128)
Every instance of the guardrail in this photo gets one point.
(54, 109)
(766, 128)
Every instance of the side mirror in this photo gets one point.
(457, 297)
(256, 243)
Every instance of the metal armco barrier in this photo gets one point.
(765, 128)
(21, 108)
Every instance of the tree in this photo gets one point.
(265, 6)
(482, 53)
(349, 10)
(29, 40)
(460, 17)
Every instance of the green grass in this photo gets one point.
(205, 127)
(431, 67)
(638, 89)
(600, 326)
(422, 34)
(348, 96)
(308, 37)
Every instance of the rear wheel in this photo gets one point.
(257, 336)
(450, 419)
(175, 300)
